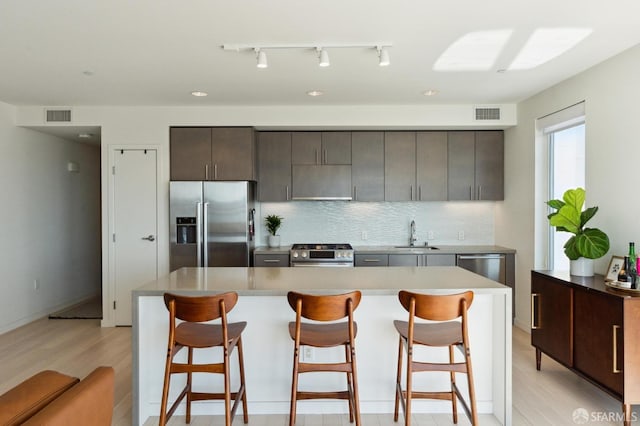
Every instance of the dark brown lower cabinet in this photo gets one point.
(589, 328)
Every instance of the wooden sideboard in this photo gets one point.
(589, 328)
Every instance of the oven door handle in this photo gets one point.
(321, 264)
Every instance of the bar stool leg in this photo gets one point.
(347, 356)
(165, 390)
(227, 389)
(190, 360)
(472, 391)
(245, 412)
(407, 411)
(454, 402)
(354, 376)
(398, 379)
(294, 386)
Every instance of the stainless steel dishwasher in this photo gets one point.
(492, 266)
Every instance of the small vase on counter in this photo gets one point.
(274, 240)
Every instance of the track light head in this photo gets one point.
(261, 56)
(383, 56)
(323, 57)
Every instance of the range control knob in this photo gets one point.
(295, 254)
(304, 254)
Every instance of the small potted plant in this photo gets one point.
(586, 244)
(273, 223)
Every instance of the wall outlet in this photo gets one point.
(36, 284)
(364, 235)
(461, 235)
(308, 354)
(430, 235)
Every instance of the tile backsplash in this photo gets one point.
(383, 223)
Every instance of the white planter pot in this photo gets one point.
(274, 240)
(581, 267)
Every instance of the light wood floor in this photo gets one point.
(76, 347)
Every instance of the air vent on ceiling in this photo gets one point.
(58, 115)
(487, 113)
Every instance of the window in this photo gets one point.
(566, 170)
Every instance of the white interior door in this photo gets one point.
(135, 230)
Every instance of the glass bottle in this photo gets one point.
(622, 274)
(632, 272)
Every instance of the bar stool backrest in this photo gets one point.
(201, 308)
(436, 307)
(323, 307)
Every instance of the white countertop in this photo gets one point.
(278, 281)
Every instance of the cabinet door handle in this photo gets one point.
(479, 192)
(411, 192)
(470, 192)
(215, 172)
(419, 192)
(371, 260)
(534, 298)
(206, 172)
(615, 349)
(271, 260)
(287, 193)
(355, 193)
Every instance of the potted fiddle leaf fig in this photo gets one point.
(586, 244)
(273, 223)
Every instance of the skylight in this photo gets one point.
(546, 44)
(476, 51)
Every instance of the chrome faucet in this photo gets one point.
(412, 238)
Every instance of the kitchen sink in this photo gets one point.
(417, 247)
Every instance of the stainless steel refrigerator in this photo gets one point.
(211, 223)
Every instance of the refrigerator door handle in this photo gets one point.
(205, 235)
(199, 233)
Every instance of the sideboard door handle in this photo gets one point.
(534, 299)
(615, 349)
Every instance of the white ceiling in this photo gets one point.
(156, 52)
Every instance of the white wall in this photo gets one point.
(49, 222)
(611, 91)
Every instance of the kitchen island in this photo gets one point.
(268, 348)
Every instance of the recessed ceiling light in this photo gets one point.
(315, 93)
(430, 92)
(546, 44)
(199, 94)
(85, 135)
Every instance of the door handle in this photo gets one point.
(534, 299)
(149, 238)
(615, 368)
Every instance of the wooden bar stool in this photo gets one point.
(444, 331)
(325, 308)
(193, 334)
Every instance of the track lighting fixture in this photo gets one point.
(323, 57)
(320, 49)
(262, 58)
(383, 56)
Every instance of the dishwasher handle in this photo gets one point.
(481, 256)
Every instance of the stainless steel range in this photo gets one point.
(324, 255)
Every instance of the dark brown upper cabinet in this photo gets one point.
(212, 153)
(367, 166)
(476, 165)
